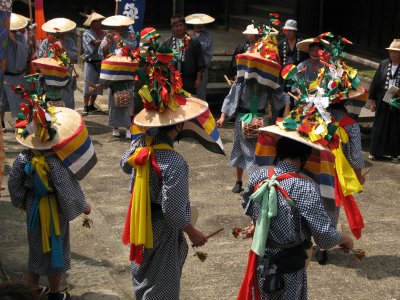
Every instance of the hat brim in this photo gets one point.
(58, 25)
(303, 45)
(68, 122)
(117, 21)
(151, 118)
(276, 132)
(393, 49)
(93, 17)
(199, 19)
(290, 28)
(17, 22)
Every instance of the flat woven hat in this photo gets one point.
(303, 45)
(153, 118)
(199, 19)
(117, 21)
(17, 22)
(395, 45)
(58, 25)
(94, 16)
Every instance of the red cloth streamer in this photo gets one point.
(39, 20)
(353, 214)
(136, 251)
(249, 282)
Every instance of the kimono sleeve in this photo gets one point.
(376, 83)
(175, 195)
(70, 196)
(313, 213)
(71, 50)
(43, 48)
(17, 179)
(231, 101)
(22, 53)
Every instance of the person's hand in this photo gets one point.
(221, 121)
(346, 242)
(248, 231)
(372, 106)
(197, 84)
(88, 210)
(196, 236)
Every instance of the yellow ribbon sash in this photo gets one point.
(141, 230)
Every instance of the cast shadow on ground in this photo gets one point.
(96, 296)
(372, 267)
(97, 128)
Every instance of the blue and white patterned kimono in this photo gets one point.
(70, 204)
(238, 101)
(291, 225)
(68, 90)
(17, 57)
(205, 39)
(118, 117)
(158, 277)
(92, 57)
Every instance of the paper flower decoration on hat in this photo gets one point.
(161, 82)
(55, 51)
(267, 46)
(335, 82)
(35, 116)
(148, 35)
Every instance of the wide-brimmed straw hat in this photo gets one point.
(68, 122)
(94, 16)
(199, 19)
(395, 45)
(251, 29)
(290, 25)
(304, 44)
(153, 118)
(117, 21)
(17, 22)
(58, 25)
(277, 132)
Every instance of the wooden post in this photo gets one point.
(30, 11)
(116, 7)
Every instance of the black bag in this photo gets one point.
(273, 280)
(95, 63)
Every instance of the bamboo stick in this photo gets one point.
(228, 80)
(214, 233)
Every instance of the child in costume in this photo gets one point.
(45, 185)
(160, 178)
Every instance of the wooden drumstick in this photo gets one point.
(293, 96)
(228, 80)
(366, 172)
(214, 233)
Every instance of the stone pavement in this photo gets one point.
(100, 266)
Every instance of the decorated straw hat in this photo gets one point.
(304, 44)
(277, 132)
(66, 123)
(118, 67)
(50, 69)
(199, 19)
(290, 25)
(94, 16)
(58, 25)
(117, 21)
(17, 22)
(395, 45)
(153, 118)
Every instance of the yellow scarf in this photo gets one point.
(347, 177)
(47, 204)
(141, 230)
